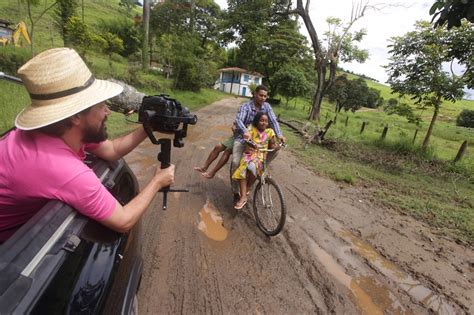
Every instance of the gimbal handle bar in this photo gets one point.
(165, 158)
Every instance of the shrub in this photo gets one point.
(124, 29)
(466, 118)
(12, 58)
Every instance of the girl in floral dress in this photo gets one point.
(251, 163)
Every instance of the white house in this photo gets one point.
(237, 81)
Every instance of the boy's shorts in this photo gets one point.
(228, 143)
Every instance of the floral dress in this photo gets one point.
(252, 159)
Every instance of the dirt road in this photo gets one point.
(339, 252)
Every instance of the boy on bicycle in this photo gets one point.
(225, 147)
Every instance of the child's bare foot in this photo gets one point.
(200, 169)
(241, 203)
(207, 175)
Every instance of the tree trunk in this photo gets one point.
(28, 6)
(430, 128)
(315, 113)
(146, 28)
(303, 12)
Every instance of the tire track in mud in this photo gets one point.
(329, 262)
(437, 300)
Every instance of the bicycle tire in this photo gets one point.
(270, 216)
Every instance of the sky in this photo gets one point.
(380, 27)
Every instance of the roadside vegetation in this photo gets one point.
(395, 172)
(188, 46)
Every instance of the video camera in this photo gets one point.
(164, 114)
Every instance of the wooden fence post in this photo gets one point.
(384, 132)
(347, 120)
(322, 133)
(416, 133)
(461, 152)
(363, 127)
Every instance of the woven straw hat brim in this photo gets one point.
(43, 113)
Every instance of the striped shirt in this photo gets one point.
(246, 114)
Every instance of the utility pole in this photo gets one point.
(146, 30)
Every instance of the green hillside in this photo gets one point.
(46, 36)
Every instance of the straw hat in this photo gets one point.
(60, 85)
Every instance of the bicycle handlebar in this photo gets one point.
(255, 146)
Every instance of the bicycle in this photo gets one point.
(268, 202)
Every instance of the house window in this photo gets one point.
(246, 78)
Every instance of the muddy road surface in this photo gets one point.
(339, 252)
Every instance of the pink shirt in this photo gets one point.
(36, 168)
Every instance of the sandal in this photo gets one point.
(239, 205)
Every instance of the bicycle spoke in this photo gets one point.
(269, 208)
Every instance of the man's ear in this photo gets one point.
(76, 119)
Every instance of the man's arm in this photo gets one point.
(124, 218)
(112, 150)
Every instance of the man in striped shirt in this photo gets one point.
(245, 115)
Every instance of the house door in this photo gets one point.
(244, 91)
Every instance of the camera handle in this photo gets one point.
(165, 158)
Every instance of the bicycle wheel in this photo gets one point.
(269, 207)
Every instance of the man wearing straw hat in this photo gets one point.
(42, 159)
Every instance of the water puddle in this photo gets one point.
(369, 296)
(211, 222)
(411, 286)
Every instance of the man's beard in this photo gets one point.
(95, 136)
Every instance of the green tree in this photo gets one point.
(128, 5)
(374, 99)
(80, 36)
(267, 38)
(145, 39)
(34, 20)
(348, 94)
(173, 17)
(339, 44)
(187, 37)
(416, 67)
(337, 94)
(64, 10)
(402, 109)
(126, 31)
(112, 44)
(466, 118)
(293, 83)
(452, 12)
(392, 102)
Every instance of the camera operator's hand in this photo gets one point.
(165, 177)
